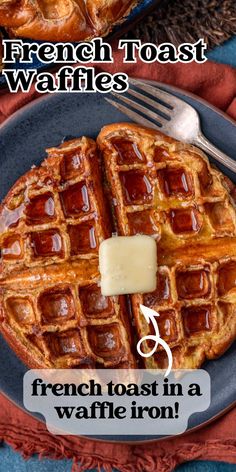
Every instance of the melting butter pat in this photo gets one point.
(128, 264)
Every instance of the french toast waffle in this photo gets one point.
(51, 224)
(62, 20)
(53, 220)
(168, 190)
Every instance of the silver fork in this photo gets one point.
(172, 116)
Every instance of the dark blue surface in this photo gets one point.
(225, 54)
(206, 466)
(12, 461)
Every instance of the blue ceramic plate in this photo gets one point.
(142, 9)
(44, 123)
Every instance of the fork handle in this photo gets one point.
(220, 156)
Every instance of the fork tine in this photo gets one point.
(141, 108)
(153, 103)
(133, 115)
(165, 97)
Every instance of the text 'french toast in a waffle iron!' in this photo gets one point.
(62, 20)
(57, 216)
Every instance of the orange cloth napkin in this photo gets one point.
(25, 434)
(217, 441)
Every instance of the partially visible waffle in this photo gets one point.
(51, 224)
(167, 189)
(62, 20)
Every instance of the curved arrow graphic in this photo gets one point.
(150, 316)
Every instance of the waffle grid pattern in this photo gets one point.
(49, 264)
(170, 192)
(52, 206)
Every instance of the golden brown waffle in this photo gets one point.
(62, 20)
(168, 190)
(51, 224)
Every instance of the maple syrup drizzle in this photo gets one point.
(10, 218)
